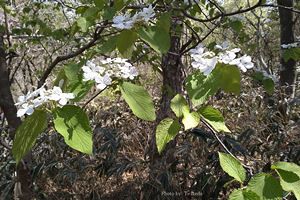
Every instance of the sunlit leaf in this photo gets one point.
(166, 131)
(27, 133)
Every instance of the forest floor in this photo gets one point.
(265, 129)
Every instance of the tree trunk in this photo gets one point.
(173, 78)
(288, 69)
(23, 184)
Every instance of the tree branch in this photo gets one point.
(71, 55)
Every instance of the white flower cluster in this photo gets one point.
(30, 101)
(110, 67)
(127, 21)
(207, 61)
(289, 46)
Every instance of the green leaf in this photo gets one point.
(72, 71)
(138, 100)
(229, 78)
(83, 24)
(236, 25)
(80, 89)
(118, 4)
(266, 186)
(200, 88)
(266, 81)
(232, 166)
(73, 124)
(269, 85)
(178, 104)
(164, 21)
(214, 118)
(292, 53)
(108, 46)
(61, 76)
(287, 166)
(91, 14)
(109, 13)
(74, 83)
(289, 174)
(100, 4)
(190, 120)
(125, 42)
(27, 133)
(157, 37)
(243, 195)
(166, 131)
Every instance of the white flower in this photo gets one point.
(129, 72)
(223, 46)
(227, 57)
(127, 22)
(123, 22)
(24, 98)
(26, 109)
(204, 61)
(91, 71)
(207, 61)
(146, 14)
(243, 63)
(40, 96)
(198, 50)
(289, 46)
(58, 95)
(111, 67)
(205, 65)
(103, 82)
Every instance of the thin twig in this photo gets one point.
(92, 98)
(215, 133)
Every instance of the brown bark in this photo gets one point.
(288, 69)
(173, 78)
(23, 185)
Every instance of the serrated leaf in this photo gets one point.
(157, 37)
(125, 42)
(190, 120)
(232, 167)
(73, 124)
(166, 131)
(27, 133)
(214, 118)
(178, 104)
(289, 174)
(138, 100)
(266, 186)
(243, 195)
